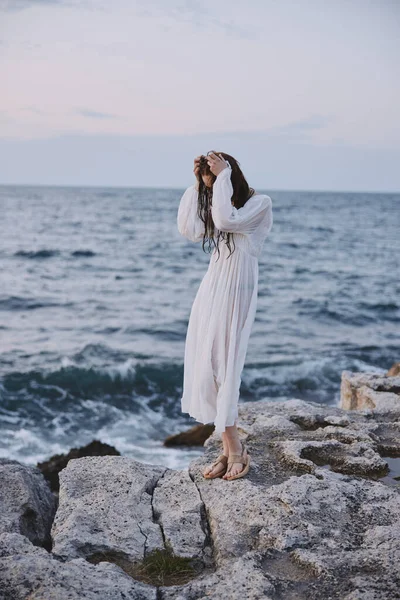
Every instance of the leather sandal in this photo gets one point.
(222, 458)
(239, 458)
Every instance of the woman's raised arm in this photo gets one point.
(244, 220)
(189, 223)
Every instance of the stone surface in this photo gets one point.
(105, 504)
(51, 467)
(315, 534)
(394, 370)
(31, 573)
(369, 390)
(358, 457)
(179, 511)
(27, 505)
(239, 579)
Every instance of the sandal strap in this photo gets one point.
(238, 458)
(221, 458)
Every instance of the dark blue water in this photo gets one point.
(96, 286)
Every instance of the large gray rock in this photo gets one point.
(31, 573)
(105, 505)
(27, 505)
(113, 503)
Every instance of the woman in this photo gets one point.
(222, 209)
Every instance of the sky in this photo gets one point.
(305, 94)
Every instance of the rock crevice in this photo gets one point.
(156, 516)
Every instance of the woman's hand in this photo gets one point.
(216, 163)
(196, 169)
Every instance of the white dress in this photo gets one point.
(224, 308)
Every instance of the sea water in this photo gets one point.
(96, 286)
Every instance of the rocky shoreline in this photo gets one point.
(317, 517)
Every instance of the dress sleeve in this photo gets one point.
(189, 223)
(244, 220)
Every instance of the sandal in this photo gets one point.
(222, 458)
(239, 458)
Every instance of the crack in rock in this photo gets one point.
(155, 515)
(208, 558)
(145, 539)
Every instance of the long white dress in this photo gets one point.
(224, 308)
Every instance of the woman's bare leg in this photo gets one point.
(235, 447)
(225, 442)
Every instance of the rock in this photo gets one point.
(369, 391)
(307, 533)
(105, 505)
(318, 515)
(30, 572)
(51, 467)
(179, 511)
(117, 504)
(239, 579)
(359, 458)
(27, 505)
(394, 370)
(340, 421)
(195, 436)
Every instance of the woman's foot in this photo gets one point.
(216, 468)
(236, 467)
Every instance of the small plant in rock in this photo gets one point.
(159, 567)
(163, 567)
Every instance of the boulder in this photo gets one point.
(370, 391)
(117, 504)
(105, 505)
(30, 572)
(51, 467)
(27, 505)
(195, 436)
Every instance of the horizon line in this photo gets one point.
(327, 191)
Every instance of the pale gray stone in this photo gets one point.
(27, 505)
(357, 457)
(178, 508)
(337, 420)
(28, 572)
(105, 504)
(241, 578)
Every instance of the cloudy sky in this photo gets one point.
(304, 93)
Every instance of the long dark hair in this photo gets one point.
(241, 193)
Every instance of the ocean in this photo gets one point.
(96, 286)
